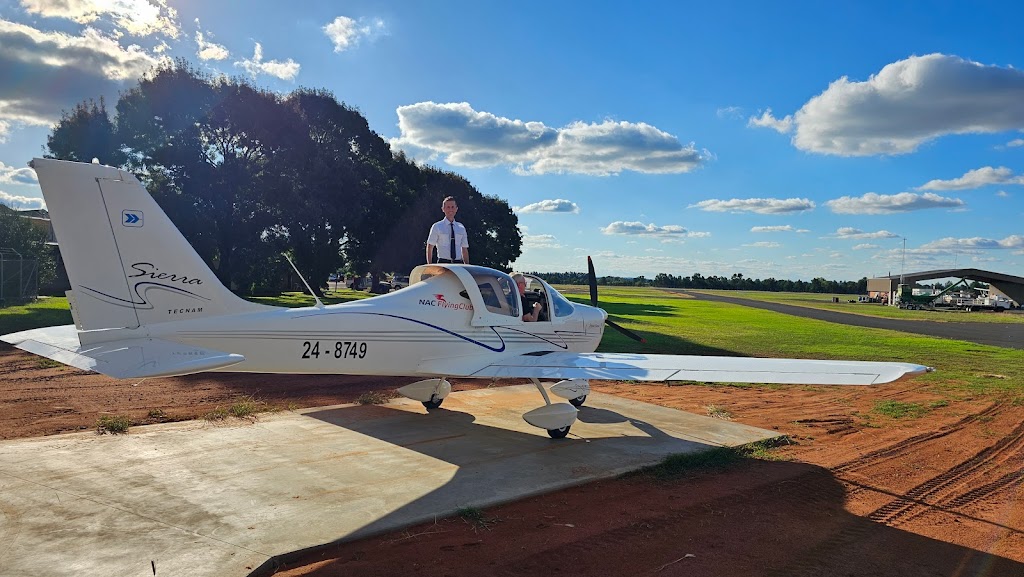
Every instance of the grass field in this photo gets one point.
(676, 324)
(824, 301)
(45, 312)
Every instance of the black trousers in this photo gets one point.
(450, 260)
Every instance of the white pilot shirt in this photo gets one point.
(440, 234)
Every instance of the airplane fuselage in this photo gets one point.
(395, 334)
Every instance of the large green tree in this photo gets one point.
(338, 170)
(209, 147)
(85, 133)
(400, 240)
(246, 174)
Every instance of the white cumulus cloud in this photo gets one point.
(873, 203)
(345, 33)
(766, 120)
(641, 230)
(1011, 242)
(729, 112)
(758, 205)
(469, 138)
(976, 178)
(209, 50)
(55, 71)
(776, 228)
(21, 202)
(285, 70)
(11, 175)
(540, 241)
(135, 17)
(556, 205)
(906, 104)
(856, 233)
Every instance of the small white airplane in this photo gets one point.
(146, 305)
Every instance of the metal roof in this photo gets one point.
(1010, 285)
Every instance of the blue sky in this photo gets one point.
(788, 140)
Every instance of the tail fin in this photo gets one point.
(128, 264)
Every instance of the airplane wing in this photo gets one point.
(639, 367)
(124, 359)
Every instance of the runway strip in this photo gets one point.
(1008, 335)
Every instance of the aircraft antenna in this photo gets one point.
(319, 304)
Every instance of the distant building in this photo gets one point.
(1009, 286)
(40, 219)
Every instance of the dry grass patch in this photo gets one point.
(113, 424)
(376, 397)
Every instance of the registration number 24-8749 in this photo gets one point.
(340, 350)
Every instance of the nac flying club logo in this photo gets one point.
(440, 301)
(131, 218)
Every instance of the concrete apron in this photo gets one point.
(198, 498)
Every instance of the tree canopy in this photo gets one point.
(247, 174)
(29, 241)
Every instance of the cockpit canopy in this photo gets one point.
(494, 295)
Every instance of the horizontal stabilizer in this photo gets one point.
(124, 359)
(639, 367)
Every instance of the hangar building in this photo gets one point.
(1009, 285)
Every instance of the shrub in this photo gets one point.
(113, 424)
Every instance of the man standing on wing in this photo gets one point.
(448, 236)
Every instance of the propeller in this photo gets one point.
(593, 302)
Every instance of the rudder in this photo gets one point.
(128, 264)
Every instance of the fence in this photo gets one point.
(19, 277)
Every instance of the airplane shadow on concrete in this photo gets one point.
(798, 509)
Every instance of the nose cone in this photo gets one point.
(595, 318)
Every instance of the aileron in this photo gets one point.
(612, 366)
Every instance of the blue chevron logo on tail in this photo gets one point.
(131, 217)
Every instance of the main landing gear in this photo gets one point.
(555, 418)
(430, 392)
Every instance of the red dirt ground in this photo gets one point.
(854, 494)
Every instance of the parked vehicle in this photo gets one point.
(399, 282)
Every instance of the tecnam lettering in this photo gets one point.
(146, 269)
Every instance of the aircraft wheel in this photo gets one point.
(433, 403)
(578, 401)
(558, 433)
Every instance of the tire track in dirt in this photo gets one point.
(830, 553)
(833, 552)
(840, 424)
(974, 495)
(901, 448)
(914, 501)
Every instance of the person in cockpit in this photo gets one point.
(531, 310)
